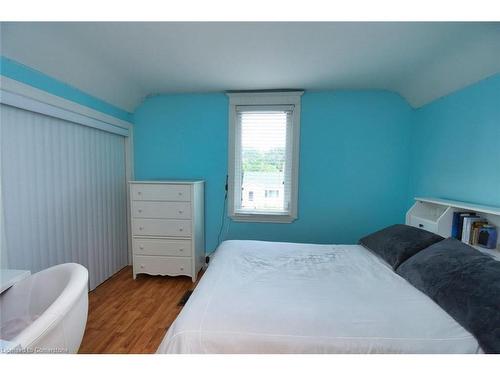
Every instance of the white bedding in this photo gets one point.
(268, 297)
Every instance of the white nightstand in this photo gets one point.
(10, 277)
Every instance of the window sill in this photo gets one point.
(263, 218)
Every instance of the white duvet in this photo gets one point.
(268, 297)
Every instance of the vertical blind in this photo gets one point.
(64, 194)
(263, 159)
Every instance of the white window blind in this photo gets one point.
(64, 194)
(263, 159)
(263, 156)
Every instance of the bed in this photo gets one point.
(269, 297)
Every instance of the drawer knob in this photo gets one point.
(142, 265)
(180, 229)
(181, 249)
(139, 193)
(141, 247)
(141, 228)
(180, 211)
(140, 210)
(180, 193)
(182, 268)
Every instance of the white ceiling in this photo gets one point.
(124, 62)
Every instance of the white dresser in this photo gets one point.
(168, 231)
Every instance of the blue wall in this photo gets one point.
(22, 73)
(456, 145)
(364, 154)
(354, 161)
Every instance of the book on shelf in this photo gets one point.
(458, 222)
(455, 223)
(467, 227)
(476, 227)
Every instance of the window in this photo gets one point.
(263, 156)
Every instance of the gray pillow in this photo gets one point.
(464, 282)
(398, 242)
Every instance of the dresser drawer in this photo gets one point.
(161, 227)
(161, 192)
(162, 265)
(161, 210)
(159, 246)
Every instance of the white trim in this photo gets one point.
(493, 210)
(33, 105)
(264, 218)
(19, 88)
(264, 108)
(168, 182)
(129, 176)
(264, 99)
(4, 261)
(264, 94)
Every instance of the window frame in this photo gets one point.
(272, 98)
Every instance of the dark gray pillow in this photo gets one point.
(464, 282)
(398, 242)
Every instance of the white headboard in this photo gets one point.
(436, 215)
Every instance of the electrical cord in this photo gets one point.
(223, 216)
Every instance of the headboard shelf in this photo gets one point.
(436, 215)
(493, 210)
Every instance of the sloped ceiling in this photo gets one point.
(124, 62)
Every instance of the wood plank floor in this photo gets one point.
(132, 316)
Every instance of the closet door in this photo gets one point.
(64, 194)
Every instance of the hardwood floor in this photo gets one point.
(132, 316)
